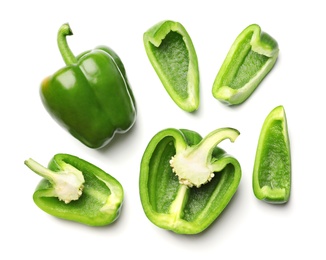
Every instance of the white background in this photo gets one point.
(248, 227)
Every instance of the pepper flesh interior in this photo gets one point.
(249, 60)
(252, 60)
(272, 168)
(173, 57)
(275, 168)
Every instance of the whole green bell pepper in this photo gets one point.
(186, 181)
(76, 190)
(91, 96)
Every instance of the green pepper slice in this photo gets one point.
(173, 57)
(91, 97)
(186, 181)
(272, 168)
(76, 190)
(250, 58)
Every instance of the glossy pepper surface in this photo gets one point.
(173, 57)
(186, 181)
(272, 168)
(76, 190)
(250, 58)
(91, 96)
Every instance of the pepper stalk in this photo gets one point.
(66, 53)
(67, 184)
(194, 165)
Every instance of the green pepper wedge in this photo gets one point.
(186, 181)
(250, 58)
(173, 57)
(76, 190)
(91, 97)
(272, 168)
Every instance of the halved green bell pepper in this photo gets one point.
(250, 58)
(91, 96)
(76, 190)
(272, 168)
(173, 57)
(186, 181)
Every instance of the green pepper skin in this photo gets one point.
(250, 58)
(174, 206)
(101, 199)
(272, 168)
(91, 96)
(173, 57)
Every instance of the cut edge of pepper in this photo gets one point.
(266, 193)
(155, 36)
(261, 43)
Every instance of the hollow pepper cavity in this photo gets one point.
(250, 58)
(186, 181)
(76, 190)
(173, 57)
(90, 97)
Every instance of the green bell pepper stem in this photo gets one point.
(172, 55)
(65, 51)
(272, 168)
(91, 96)
(67, 184)
(187, 193)
(76, 190)
(193, 165)
(250, 58)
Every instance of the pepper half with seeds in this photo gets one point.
(76, 190)
(186, 181)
